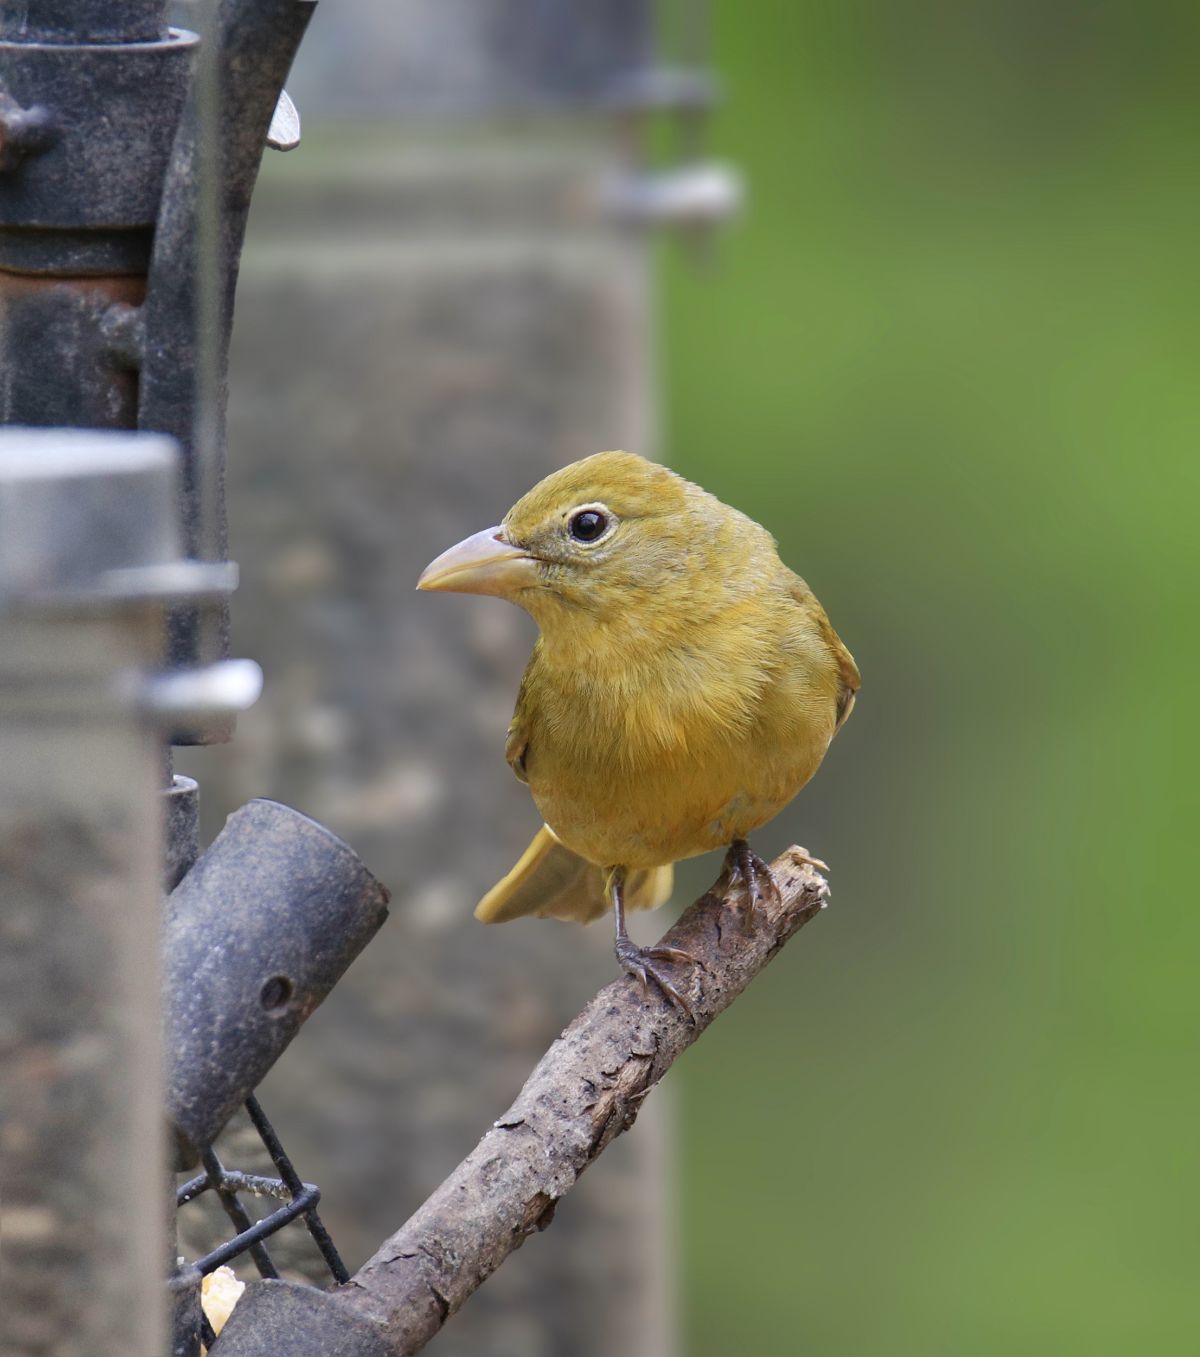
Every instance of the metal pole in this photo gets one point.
(87, 529)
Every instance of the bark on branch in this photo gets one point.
(585, 1091)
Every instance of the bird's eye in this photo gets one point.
(588, 524)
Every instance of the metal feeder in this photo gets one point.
(256, 935)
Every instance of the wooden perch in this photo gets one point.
(586, 1090)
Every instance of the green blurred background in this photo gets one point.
(949, 358)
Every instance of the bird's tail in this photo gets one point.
(550, 881)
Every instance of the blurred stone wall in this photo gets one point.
(423, 330)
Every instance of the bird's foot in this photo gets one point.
(642, 962)
(757, 879)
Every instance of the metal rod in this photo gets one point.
(236, 1213)
(80, 1071)
(279, 1158)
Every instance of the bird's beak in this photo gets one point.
(485, 563)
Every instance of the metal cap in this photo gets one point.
(79, 504)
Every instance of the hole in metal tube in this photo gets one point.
(275, 994)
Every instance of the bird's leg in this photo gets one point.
(641, 961)
(744, 864)
(756, 877)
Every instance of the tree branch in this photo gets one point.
(585, 1091)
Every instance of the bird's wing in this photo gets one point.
(847, 671)
(550, 881)
(516, 746)
(849, 680)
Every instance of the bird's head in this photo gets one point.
(604, 536)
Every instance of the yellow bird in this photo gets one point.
(684, 687)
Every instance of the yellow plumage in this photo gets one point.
(685, 684)
(551, 882)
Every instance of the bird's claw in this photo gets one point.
(640, 963)
(756, 878)
(675, 954)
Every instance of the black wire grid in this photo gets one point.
(299, 1198)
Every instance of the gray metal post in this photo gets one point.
(88, 556)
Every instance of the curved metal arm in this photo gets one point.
(245, 58)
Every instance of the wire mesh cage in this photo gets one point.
(229, 1185)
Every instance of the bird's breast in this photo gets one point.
(640, 778)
